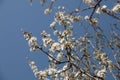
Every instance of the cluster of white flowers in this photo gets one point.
(69, 44)
(41, 75)
(61, 44)
(74, 18)
(101, 72)
(110, 65)
(55, 47)
(52, 25)
(26, 35)
(103, 60)
(67, 32)
(101, 57)
(33, 67)
(52, 72)
(60, 17)
(63, 36)
(88, 1)
(93, 21)
(80, 43)
(65, 19)
(33, 44)
(116, 8)
(32, 41)
(101, 9)
(47, 40)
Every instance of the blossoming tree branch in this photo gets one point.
(72, 56)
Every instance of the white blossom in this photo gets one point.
(101, 9)
(110, 65)
(51, 71)
(88, 1)
(42, 73)
(46, 39)
(53, 0)
(116, 8)
(47, 11)
(26, 35)
(52, 25)
(86, 17)
(77, 10)
(60, 56)
(55, 47)
(33, 44)
(33, 67)
(101, 73)
(94, 21)
(32, 41)
(75, 19)
(104, 7)
(67, 32)
(55, 32)
(34, 48)
(59, 16)
(61, 39)
(66, 66)
(64, 22)
(98, 11)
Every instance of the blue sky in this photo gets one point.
(14, 15)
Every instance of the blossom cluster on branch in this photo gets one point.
(78, 57)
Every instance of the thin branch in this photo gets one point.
(94, 9)
(56, 61)
(111, 14)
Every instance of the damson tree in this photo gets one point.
(92, 55)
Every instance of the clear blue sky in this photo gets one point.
(14, 15)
